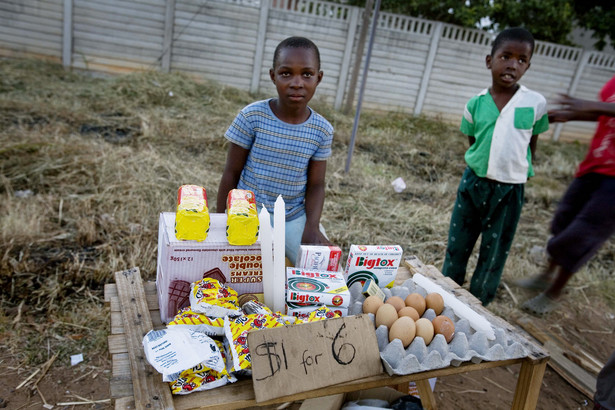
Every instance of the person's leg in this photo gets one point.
(463, 230)
(571, 203)
(503, 204)
(580, 240)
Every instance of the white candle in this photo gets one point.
(279, 255)
(266, 255)
(462, 310)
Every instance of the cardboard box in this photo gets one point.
(182, 262)
(376, 262)
(319, 257)
(316, 287)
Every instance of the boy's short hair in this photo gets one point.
(296, 42)
(515, 34)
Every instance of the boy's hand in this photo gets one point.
(313, 236)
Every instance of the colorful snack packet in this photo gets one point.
(236, 330)
(201, 377)
(210, 297)
(241, 217)
(321, 313)
(198, 321)
(192, 216)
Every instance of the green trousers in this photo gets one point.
(490, 209)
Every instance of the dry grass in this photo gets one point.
(102, 157)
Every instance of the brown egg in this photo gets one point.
(403, 329)
(417, 301)
(371, 304)
(397, 302)
(434, 301)
(410, 312)
(444, 326)
(386, 315)
(424, 329)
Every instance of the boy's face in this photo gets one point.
(509, 62)
(296, 76)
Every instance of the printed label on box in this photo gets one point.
(376, 262)
(316, 257)
(316, 287)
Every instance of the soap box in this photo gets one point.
(182, 262)
(376, 262)
(319, 257)
(316, 287)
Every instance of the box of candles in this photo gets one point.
(182, 262)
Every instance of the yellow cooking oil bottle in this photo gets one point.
(192, 217)
(241, 217)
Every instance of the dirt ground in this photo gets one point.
(590, 329)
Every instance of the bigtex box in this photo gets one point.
(376, 262)
(182, 262)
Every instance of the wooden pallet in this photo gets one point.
(135, 384)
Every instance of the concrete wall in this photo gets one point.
(417, 66)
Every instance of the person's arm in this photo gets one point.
(471, 140)
(533, 142)
(314, 201)
(576, 109)
(235, 161)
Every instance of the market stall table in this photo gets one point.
(135, 384)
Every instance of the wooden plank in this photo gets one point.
(124, 403)
(572, 353)
(572, 373)
(149, 390)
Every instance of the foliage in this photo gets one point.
(596, 15)
(548, 20)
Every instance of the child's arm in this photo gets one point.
(533, 143)
(575, 109)
(235, 161)
(471, 140)
(314, 201)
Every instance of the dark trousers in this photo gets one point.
(583, 221)
(490, 209)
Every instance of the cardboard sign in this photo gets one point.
(293, 359)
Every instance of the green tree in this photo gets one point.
(596, 15)
(548, 20)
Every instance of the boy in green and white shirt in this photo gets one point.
(502, 124)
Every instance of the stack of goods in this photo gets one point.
(309, 290)
(205, 345)
(316, 281)
(194, 244)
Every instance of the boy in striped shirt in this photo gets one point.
(280, 146)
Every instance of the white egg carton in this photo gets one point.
(467, 344)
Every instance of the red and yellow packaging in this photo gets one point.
(241, 217)
(192, 217)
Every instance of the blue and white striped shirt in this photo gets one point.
(279, 154)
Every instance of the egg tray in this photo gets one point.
(466, 345)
